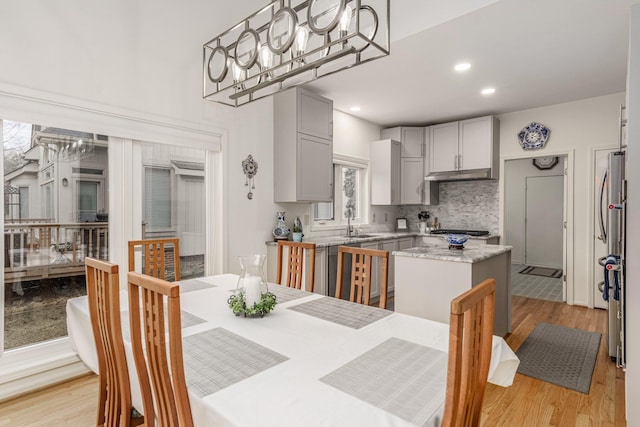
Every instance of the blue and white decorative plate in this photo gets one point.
(534, 136)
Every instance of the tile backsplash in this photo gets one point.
(471, 205)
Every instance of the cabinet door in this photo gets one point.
(412, 180)
(475, 143)
(384, 172)
(320, 285)
(443, 150)
(390, 246)
(405, 243)
(315, 115)
(412, 142)
(375, 271)
(314, 173)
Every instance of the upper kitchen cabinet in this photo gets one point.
(465, 145)
(412, 139)
(303, 147)
(384, 170)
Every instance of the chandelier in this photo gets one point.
(284, 45)
(68, 145)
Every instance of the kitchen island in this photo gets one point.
(427, 279)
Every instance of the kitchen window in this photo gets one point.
(350, 178)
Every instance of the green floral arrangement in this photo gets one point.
(265, 305)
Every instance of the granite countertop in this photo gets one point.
(326, 241)
(442, 252)
(485, 237)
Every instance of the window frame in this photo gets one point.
(339, 221)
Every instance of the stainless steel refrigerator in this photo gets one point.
(612, 228)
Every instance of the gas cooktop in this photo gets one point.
(456, 231)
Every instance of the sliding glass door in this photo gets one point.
(56, 195)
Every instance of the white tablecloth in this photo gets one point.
(296, 390)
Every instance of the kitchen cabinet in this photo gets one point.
(425, 282)
(390, 246)
(411, 180)
(303, 147)
(414, 189)
(464, 145)
(384, 172)
(411, 138)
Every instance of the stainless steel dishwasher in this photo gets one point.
(333, 270)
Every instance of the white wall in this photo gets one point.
(633, 232)
(249, 222)
(577, 128)
(515, 176)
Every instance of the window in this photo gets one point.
(350, 196)
(157, 198)
(87, 196)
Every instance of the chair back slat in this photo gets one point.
(160, 372)
(470, 342)
(114, 393)
(362, 274)
(295, 264)
(154, 253)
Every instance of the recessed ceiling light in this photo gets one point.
(355, 108)
(463, 66)
(488, 91)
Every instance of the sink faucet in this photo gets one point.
(349, 215)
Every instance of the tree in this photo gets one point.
(17, 140)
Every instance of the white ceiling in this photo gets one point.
(534, 53)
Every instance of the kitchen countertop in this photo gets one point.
(485, 237)
(343, 240)
(326, 241)
(442, 252)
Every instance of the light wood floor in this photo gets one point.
(528, 402)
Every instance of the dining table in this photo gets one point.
(313, 361)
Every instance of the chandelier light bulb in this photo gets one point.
(265, 57)
(345, 20)
(302, 37)
(237, 72)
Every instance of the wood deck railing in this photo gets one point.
(46, 250)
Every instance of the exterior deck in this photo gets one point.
(39, 250)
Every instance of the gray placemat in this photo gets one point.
(194, 285)
(218, 358)
(560, 355)
(187, 319)
(403, 378)
(284, 294)
(341, 312)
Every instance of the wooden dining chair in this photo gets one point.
(295, 264)
(153, 255)
(103, 294)
(166, 387)
(470, 343)
(362, 274)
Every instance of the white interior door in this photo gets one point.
(599, 246)
(544, 221)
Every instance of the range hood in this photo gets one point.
(463, 175)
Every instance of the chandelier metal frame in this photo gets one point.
(284, 45)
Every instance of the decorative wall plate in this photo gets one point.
(534, 136)
(543, 163)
